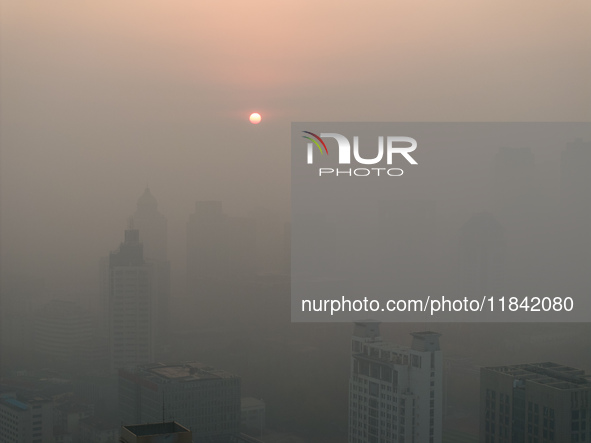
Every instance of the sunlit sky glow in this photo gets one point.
(100, 98)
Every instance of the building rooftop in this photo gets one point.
(425, 334)
(14, 403)
(251, 402)
(367, 329)
(156, 429)
(182, 373)
(388, 346)
(22, 400)
(549, 374)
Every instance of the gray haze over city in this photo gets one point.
(118, 116)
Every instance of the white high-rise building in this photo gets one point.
(395, 392)
(130, 304)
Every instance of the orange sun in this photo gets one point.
(255, 118)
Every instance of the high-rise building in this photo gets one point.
(575, 180)
(575, 210)
(19, 295)
(240, 233)
(130, 304)
(395, 392)
(252, 413)
(63, 331)
(408, 232)
(152, 226)
(514, 185)
(66, 420)
(25, 420)
(482, 257)
(205, 239)
(102, 307)
(269, 241)
(540, 402)
(204, 399)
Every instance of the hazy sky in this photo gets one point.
(101, 98)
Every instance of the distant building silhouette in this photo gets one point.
(252, 415)
(575, 181)
(63, 330)
(241, 248)
(96, 430)
(204, 399)
(269, 242)
(395, 392)
(20, 294)
(575, 208)
(219, 247)
(152, 226)
(103, 302)
(408, 244)
(481, 257)
(517, 205)
(543, 402)
(67, 416)
(206, 254)
(514, 185)
(130, 305)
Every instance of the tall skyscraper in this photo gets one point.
(395, 392)
(204, 399)
(152, 224)
(481, 257)
(153, 228)
(102, 307)
(63, 331)
(540, 402)
(130, 304)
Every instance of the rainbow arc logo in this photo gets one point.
(316, 142)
